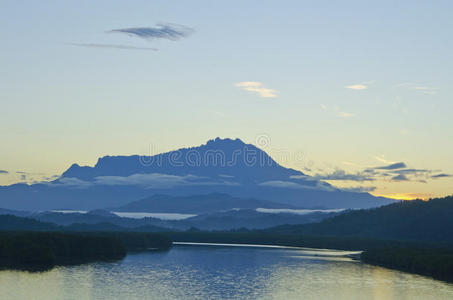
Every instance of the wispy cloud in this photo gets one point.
(343, 114)
(342, 175)
(150, 181)
(320, 186)
(153, 180)
(392, 172)
(392, 166)
(398, 171)
(112, 46)
(338, 112)
(359, 189)
(427, 90)
(442, 175)
(356, 87)
(404, 84)
(383, 160)
(257, 87)
(412, 171)
(3, 172)
(72, 182)
(400, 177)
(171, 32)
(160, 31)
(219, 113)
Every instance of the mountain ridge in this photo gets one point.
(219, 166)
(208, 203)
(217, 154)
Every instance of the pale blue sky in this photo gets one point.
(63, 103)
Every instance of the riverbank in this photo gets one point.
(433, 262)
(429, 259)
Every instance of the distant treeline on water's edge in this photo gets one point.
(38, 251)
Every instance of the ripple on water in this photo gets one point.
(223, 273)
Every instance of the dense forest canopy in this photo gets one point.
(409, 220)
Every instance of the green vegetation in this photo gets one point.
(416, 220)
(43, 250)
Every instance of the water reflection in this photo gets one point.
(188, 272)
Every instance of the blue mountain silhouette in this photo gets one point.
(220, 166)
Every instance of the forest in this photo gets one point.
(37, 251)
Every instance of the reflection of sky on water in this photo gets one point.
(200, 272)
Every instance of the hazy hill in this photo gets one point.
(226, 220)
(15, 223)
(251, 219)
(195, 204)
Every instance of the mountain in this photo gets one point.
(219, 166)
(406, 220)
(15, 223)
(195, 204)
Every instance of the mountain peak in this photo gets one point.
(225, 141)
(227, 145)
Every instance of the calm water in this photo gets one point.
(218, 272)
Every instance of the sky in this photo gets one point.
(334, 89)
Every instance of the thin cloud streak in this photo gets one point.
(341, 175)
(383, 160)
(359, 189)
(393, 166)
(257, 87)
(443, 175)
(427, 90)
(111, 46)
(343, 114)
(338, 111)
(356, 87)
(171, 32)
(394, 172)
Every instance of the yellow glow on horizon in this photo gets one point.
(405, 196)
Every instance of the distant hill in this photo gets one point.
(220, 166)
(409, 220)
(14, 223)
(18, 213)
(251, 219)
(226, 220)
(196, 204)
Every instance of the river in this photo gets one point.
(224, 272)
